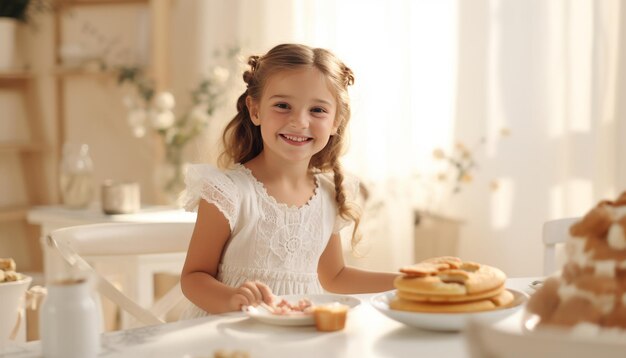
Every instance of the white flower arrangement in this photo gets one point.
(147, 110)
(155, 112)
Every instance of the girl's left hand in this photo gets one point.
(251, 293)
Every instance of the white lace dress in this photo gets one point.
(271, 242)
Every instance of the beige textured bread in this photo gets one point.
(331, 317)
(7, 264)
(7, 271)
(591, 287)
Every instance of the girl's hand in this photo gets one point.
(250, 293)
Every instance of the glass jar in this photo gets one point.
(170, 176)
(76, 176)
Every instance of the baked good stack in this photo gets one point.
(589, 294)
(448, 284)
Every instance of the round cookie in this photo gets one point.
(469, 279)
(432, 266)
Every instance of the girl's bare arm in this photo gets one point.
(199, 276)
(336, 277)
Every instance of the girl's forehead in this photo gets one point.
(299, 82)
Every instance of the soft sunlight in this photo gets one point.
(579, 196)
(433, 77)
(554, 77)
(496, 80)
(414, 87)
(556, 202)
(579, 55)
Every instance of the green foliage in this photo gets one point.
(135, 76)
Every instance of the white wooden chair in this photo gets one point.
(133, 252)
(555, 232)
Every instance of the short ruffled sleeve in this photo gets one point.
(351, 190)
(205, 181)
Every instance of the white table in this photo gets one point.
(368, 333)
(54, 217)
(134, 273)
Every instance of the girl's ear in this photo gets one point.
(253, 109)
(335, 127)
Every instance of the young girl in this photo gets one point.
(269, 225)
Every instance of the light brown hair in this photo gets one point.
(242, 139)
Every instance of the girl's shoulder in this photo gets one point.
(206, 180)
(219, 187)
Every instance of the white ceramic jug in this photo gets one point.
(12, 319)
(69, 321)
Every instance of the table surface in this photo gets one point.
(368, 333)
(59, 213)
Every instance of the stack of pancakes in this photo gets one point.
(590, 292)
(448, 284)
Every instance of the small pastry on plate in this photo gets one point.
(330, 317)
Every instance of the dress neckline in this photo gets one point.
(261, 188)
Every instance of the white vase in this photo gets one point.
(69, 321)
(8, 27)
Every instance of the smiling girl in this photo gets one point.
(269, 224)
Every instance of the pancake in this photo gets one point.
(501, 300)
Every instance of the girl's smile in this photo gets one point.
(295, 139)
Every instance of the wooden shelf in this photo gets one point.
(20, 146)
(81, 72)
(13, 213)
(15, 75)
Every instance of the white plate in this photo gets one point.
(443, 321)
(264, 316)
(518, 337)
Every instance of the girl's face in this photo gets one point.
(296, 113)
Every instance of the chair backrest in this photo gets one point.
(554, 232)
(111, 240)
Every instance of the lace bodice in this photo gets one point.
(272, 242)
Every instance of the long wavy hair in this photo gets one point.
(242, 140)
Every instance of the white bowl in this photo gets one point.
(519, 337)
(444, 321)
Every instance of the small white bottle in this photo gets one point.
(69, 321)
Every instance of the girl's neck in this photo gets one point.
(289, 183)
(267, 169)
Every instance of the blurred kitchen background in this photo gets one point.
(473, 121)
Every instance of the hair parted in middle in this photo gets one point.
(242, 140)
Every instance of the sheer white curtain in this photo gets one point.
(549, 71)
(430, 72)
